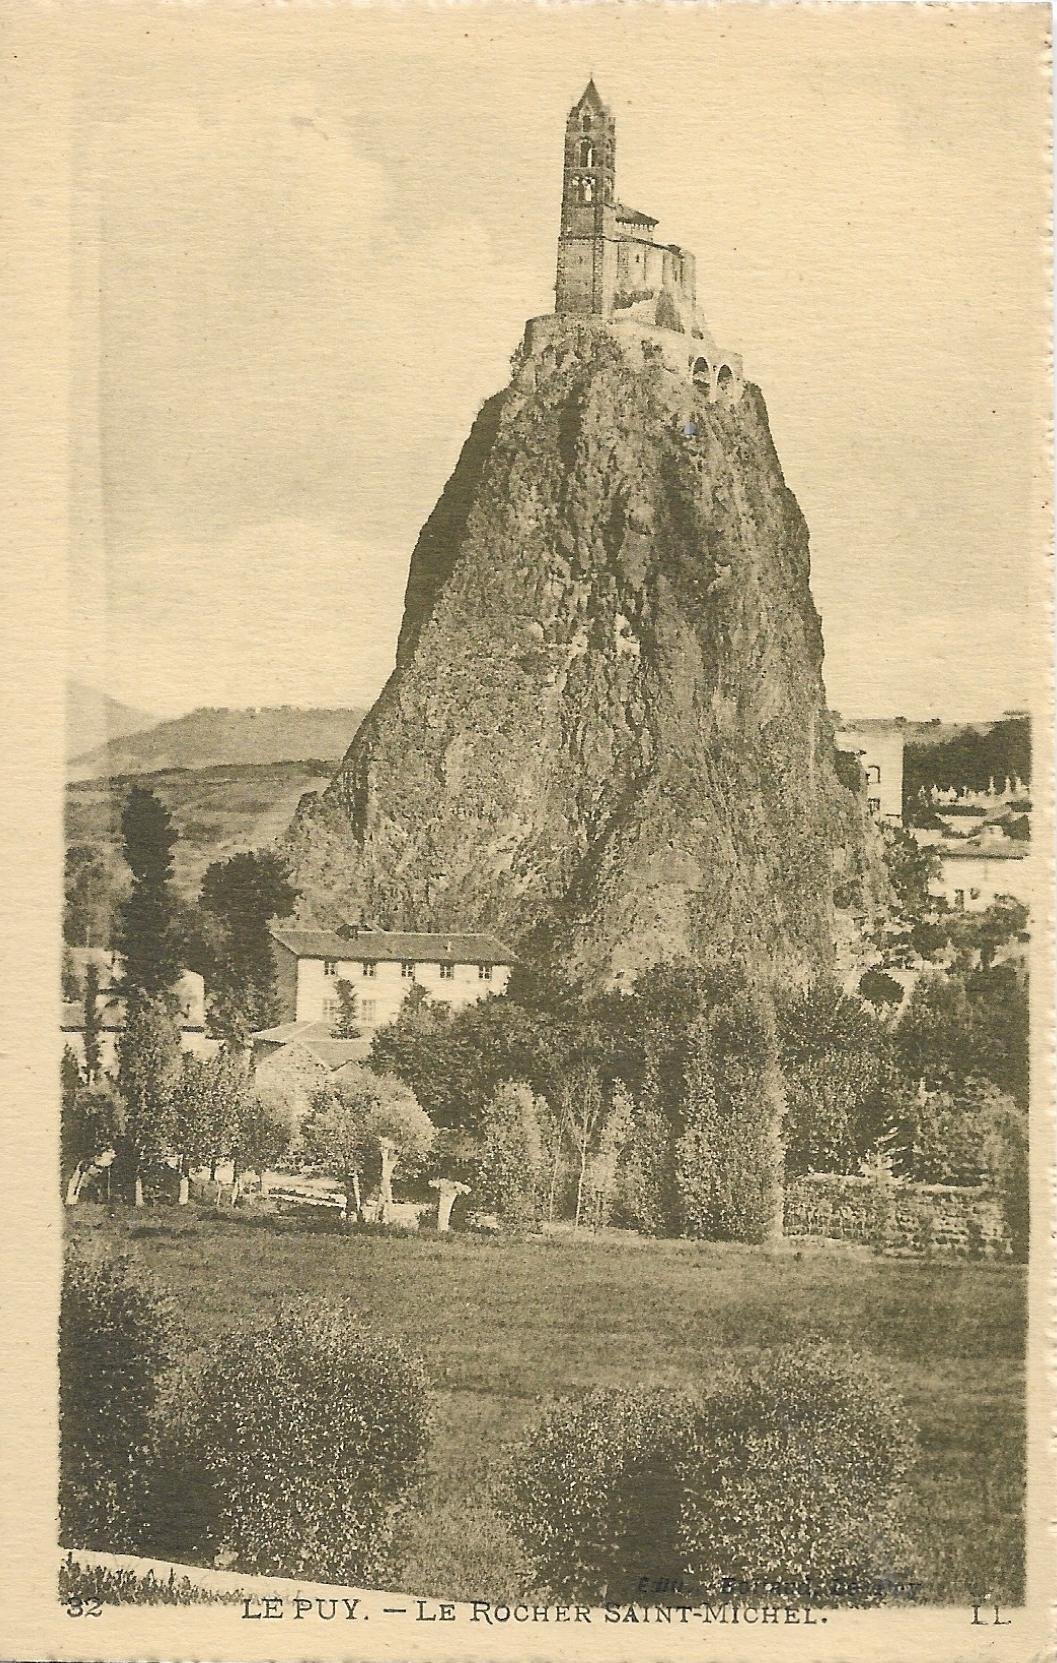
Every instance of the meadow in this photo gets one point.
(504, 1323)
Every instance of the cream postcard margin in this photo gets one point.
(48, 52)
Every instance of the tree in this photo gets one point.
(880, 989)
(71, 981)
(334, 1134)
(729, 1157)
(93, 889)
(836, 1059)
(912, 868)
(362, 1115)
(604, 1168)
(148, 1058)
(147, 933)
(965, 1023)
(244, 894)
(511, 1154)
(264, 1129)
(207, 1102)
(91, 1117)
(347, 1024)
(583, 1110)
(93, 1058)
(399, 1129)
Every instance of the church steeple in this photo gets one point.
(588, 198)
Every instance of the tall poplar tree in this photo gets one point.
(147, 927)
(149, 942)
(244, 894)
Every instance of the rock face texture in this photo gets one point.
(605, 738)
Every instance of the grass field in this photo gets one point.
(501, 1324)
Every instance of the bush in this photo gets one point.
(795, 1473)
(592, 1494)
(786, 1476)
(116, 1337)
(306, 1436)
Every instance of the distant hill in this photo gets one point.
(94, 720)
(216, 811)
(212, 738)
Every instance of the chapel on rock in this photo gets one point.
(612, 267)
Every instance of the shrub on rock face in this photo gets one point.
(116, 1339)
(786, 1475)
(307, 1436)
(592, 1492)
(794, 1473)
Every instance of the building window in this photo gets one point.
(369, 967)
(874, 804)
(331, 1010)
(447, 972)
(330, 967)
(587, 153)
(407, 970)
(368, 1009)
(959, 897)
(585, 120)
(484, 972)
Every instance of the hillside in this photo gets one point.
(216, 811)
(211, 738)
(94, 720)
(606, 736)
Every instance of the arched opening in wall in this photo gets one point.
(725, 378)
(585, 120)
(587, 153)
(702, 373)
(587, 190)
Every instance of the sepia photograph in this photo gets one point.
(549, 1106)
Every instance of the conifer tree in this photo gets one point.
(244, 894)
(147, 933)
(347, 1024)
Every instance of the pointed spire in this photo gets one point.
(590, 95)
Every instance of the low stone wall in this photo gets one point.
(918, 1218)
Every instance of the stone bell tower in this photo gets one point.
(586, 255)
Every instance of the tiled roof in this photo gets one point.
(632, 216)
(395, 945)
(317, 1038)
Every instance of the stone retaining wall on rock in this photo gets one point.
(922, 1218)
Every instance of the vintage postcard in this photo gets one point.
(528, 833)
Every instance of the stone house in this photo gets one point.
(191, 998)
(382, 966)
(879, 744)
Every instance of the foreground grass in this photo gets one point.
(501, 1324)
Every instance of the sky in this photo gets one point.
(305, 243)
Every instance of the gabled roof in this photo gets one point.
(316, 1038)
(437, 946)
(632, 216)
